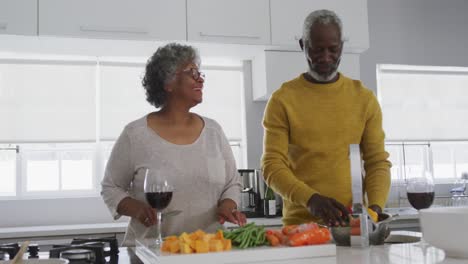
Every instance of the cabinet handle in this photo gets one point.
(3, 26)
(113, 30)
(228, 36)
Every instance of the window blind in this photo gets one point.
(47, 101)
(423, 102)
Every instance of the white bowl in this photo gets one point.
(446, 228)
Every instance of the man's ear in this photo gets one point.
(301, 43)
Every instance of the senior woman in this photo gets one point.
(192, 149)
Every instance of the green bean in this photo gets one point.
(249, 235)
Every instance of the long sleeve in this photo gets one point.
(233, 186)
(118, 174)
(308, 129)
(275, 162)
(376, 164)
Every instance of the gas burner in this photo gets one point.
(11, 249)
(79, 255)
(33, 250)
(79, 251)
(110, 244)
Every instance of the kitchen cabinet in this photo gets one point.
(114, 19)
(227, 21)
(273, 68)
(287, 18)
(18, 17)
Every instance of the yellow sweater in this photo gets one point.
(308, 130)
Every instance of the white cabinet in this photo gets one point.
(228, 21)
(273, 68)
(287, 18)
(18, 17)
(114, 19)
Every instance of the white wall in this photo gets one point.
(416, 32)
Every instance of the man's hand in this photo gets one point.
(227, 211)
(328, 209)
(376, 208)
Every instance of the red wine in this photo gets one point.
(159, 200)
(421, 200)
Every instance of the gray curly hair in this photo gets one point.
(322, 17)
(162, 67)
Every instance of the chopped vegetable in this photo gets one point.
(299, 235)
(196, 242)
(246, 236)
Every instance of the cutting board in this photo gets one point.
(151, 255)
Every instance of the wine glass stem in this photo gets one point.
(159, 218)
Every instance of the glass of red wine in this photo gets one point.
(158, 192)
(420, 178)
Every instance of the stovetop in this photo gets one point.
(79, 251)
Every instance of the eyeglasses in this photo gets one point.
(196, 74)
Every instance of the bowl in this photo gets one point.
(377, 234)
(445, 228)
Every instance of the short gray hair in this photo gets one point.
(162, 67)
(322, 17)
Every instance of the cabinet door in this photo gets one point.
(18, 17)
(287, 18)
(276, 67)
(228, 21)
(114, 19)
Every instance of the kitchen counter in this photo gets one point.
(407, 219)
(388, 254)
(62, 230)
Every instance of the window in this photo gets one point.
(8, 170)
(449, 159)
(61, 133)
(425, 104)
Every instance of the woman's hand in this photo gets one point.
(147, 215)
(227, 211)
(138, 210)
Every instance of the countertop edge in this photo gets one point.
(62, 230)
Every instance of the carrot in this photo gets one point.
(303, 238)
(289, 229)
(274, 241)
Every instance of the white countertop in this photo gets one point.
(393, 254)
(62, 230)
(84, 229)
(119, 227)
(413, 253)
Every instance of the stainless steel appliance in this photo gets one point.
(252, 193)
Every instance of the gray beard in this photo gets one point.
(321, 78)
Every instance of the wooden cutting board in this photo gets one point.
(151, 255)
